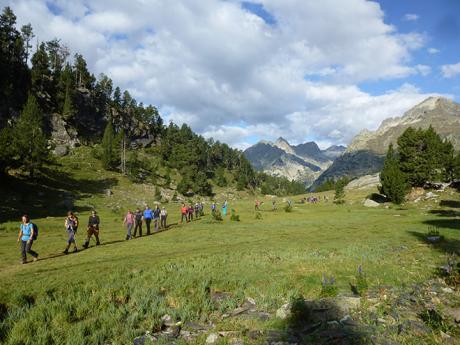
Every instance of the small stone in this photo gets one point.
(236, 341)
(167, 320)
(239, 310)
(445, 336)
(212, 338)
(415, 327)
(348, 321)
(284, 312)
(447, 290)
(454, 313)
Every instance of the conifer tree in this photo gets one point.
(393, 181)
(107, 146)
(29, 140)
(339, 192)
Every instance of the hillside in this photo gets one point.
(366, 151)
(303, 162)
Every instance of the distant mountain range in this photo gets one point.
(365, 154)
(304, 162)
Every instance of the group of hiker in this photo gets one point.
(133, 221)
(138, 218)
(187, 212)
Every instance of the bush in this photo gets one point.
(216, 215)
(339, 192)
(328, 287)
(234, 216)
(361, 286)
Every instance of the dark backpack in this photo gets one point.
(35, 227)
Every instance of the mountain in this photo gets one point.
(365, 154)
(303, 162)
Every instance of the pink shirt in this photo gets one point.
(129, 218)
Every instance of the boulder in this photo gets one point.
(364, 182)
(370, 203)
(347, 304)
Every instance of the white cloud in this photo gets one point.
(424, 70)
(230, 75)
(411, 17)
(450, 71)
(433, 50)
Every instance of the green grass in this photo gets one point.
(114, 292)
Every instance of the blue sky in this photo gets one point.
(243, 71)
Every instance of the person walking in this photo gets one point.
(156, 217)
(163, 217)
(71, 226)
(147, 217)
(92, 229)
(213, 208)
(183, 213)
(197, 210)
(138, 222)
(190, 212)
(26, 237)
(129, 222)
(224, 208)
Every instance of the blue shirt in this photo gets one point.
(148, 214)
(26, 231)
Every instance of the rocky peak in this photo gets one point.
(284, 145)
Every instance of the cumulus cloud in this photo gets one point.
(411, 17)
(450, 71)
(233, 75)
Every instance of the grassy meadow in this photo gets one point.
(112, 293)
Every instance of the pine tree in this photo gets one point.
(339, 192)
(107, 146)
(68, 110)
(29, 139)
(393, 181)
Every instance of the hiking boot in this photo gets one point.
(86, 245)
(65, 252)
(98, 243)
(23, 262)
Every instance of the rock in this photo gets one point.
(61, 150)
(348, 321)
(229, 333)
(346, 304)
(239, 310)
(447, 290)
(212, 338)
(414, 327)
(445, 336)
(453, 313)
(144, 340)
(364, 182)
(333, 324)
(284, 312)
(430, 195)
(108, 192)
(167, 321)
(370, 203)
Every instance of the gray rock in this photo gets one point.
(370, 203)
(454, 313)
(347, 304)
(284, 312)
(212, 338)
(61, 150)
(414, 327)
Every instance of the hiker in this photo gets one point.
(224, 208)
(147, 217)
(27, 235)
(71, 226)
(156, 217)
(190, 213)
(129, 222)
(274, 205)
(138, 222)
(163, 216)
(213, 207)
(184, 213)
(92, 229)
(197, 210)
(257, 205)
(201, 209)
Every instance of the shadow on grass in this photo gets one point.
(322, 322)
(444, 223)
(53, 193)
(445, 213)
(444, 245)
(450, 203)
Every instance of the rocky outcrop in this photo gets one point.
(303, 162)
(63, 136)
(364, 182)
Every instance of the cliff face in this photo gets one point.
(365, 154)
(441, 113)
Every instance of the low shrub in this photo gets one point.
(234, 217)
(328, 287)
